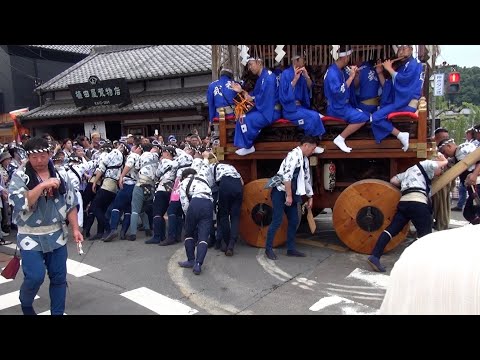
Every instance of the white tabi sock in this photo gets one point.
(403, 137)
(243, 151)
(340, 142)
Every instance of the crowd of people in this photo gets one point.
(51, 183)
(139, 183)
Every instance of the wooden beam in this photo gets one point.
(393, 168)
(422, 120)
(223, 131)
(253, 170)
(455, 171)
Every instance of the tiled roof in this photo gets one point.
(135, 63)
(77, 49)
(154, 101)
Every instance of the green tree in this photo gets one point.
(469, 89)
(457, 123)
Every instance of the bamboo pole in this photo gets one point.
(447, 177)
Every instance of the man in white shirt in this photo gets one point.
(295, 173)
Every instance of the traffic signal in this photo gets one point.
(453, 83)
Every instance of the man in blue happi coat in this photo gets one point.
(42, 202)
(407, 85)
(220, 95)
(294, 94)
(366, 86)
(337, 91)
(266, 110)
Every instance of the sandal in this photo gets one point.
(5, 242)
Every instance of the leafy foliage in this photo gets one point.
(450, 107)
(469, 86)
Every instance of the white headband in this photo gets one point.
(37, 151)
(345, 53)
(449, 141)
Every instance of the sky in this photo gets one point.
(460, 55)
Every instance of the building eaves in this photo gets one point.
(145, 102)
(76, 49)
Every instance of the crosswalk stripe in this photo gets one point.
(11, 246)
(47, 313)
(328, 301)
(158, 303)
(79, 269)
(74, 268)
(379, 281)
(3, 280)
(11, 299)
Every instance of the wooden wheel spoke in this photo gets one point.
(359, 228)
(254, 234)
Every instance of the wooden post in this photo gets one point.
(222, 126)
(393, 167)
(215, 60)
(422, 121)
(253, 170)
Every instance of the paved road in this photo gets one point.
(125, 277)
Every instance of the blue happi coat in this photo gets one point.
(220, 94)
(265, 95)
(41, 226)
(338, 96)
(301, 115)
(407, 86)
(368, 87)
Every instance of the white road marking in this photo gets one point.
(3, 280)
(206, 302)
(328, 301)
(11, 299)
(158, 303)
(358, 309)
(11, 246)
(48, 313)
(355, 292)
(79, 269)
(270, 267)
(355, 287)
(348, 307)
(458, 222)
(74, 267)
(379, 281)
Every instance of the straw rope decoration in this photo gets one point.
(242, 106)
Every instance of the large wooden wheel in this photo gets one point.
(256, 215)
(362, 211)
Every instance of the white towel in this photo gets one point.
(301, 175)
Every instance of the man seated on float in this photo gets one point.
(265, 111)
(337, 91)
(220, 96)
(366, 86)
(295, 87)
(386, 86)
(407, 85)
